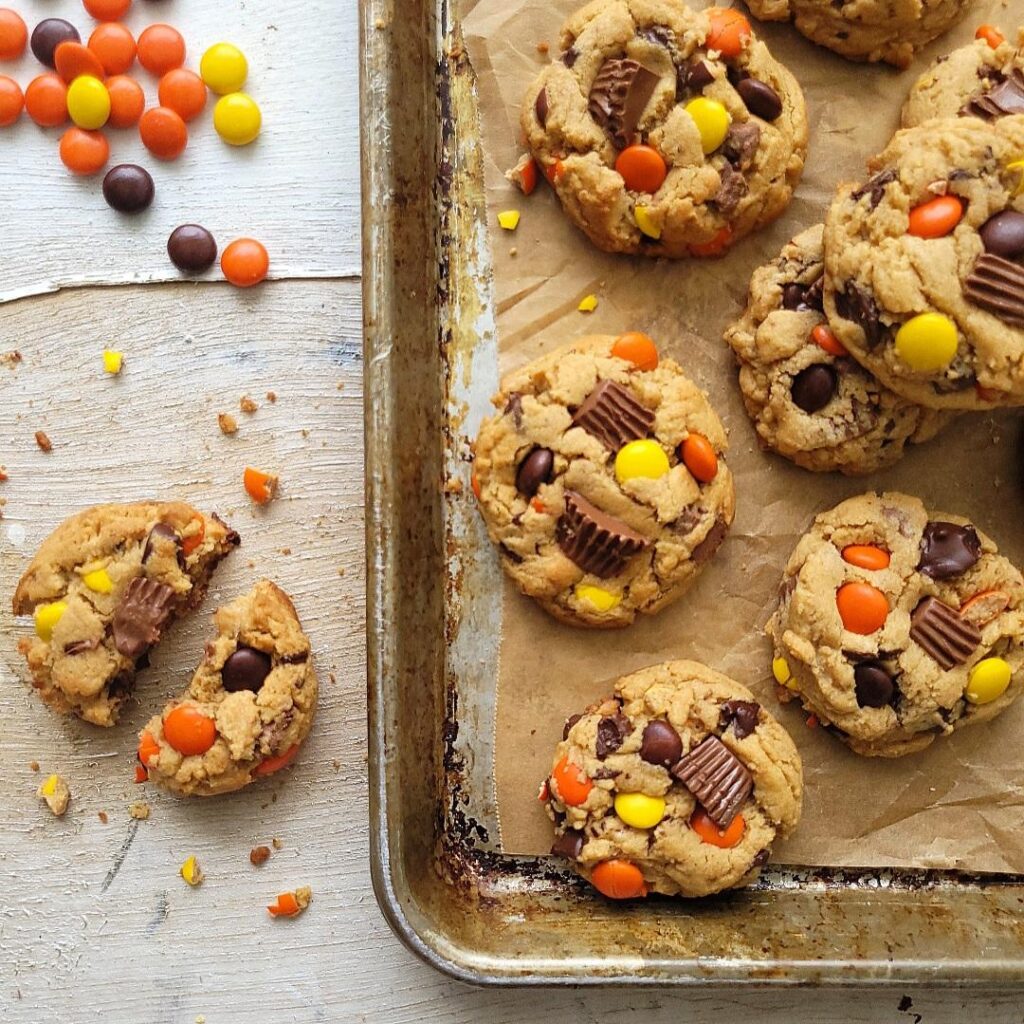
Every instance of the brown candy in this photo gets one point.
(597, 542)
(760, 99)
(569, 723)
(814, 387)
(614, 415)
(611, 731)
(947, 550)
(618, 97)
(534, 470)
(167, 534)
(873, 685)
(858, 305)
(874, 187)
(942, 633)
(742, 715)
(661, 744)
(717, 779)
(997, 285)
(711, 543)
(143, 612)
(1006, 98)
(740, 145)
(732, 188)
(1003, 234)
(540, 107)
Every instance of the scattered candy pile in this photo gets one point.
(90, 85)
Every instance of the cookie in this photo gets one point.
(924, 283)
(678, 784)
(976, 80)
(867, 30)
(102, 588)
(665, 131)
(602, 480)
(896, 625)
(248, 707)
(810, 401)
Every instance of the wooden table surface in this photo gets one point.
(95, 922)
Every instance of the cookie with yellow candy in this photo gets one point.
(924, 262)
(679, 783)
(602, 480)
(101, 590)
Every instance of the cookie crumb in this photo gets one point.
(259, 855)
(271, 397)
(102, 815)
(11, 359)
(43, 441)
(227, 423)
(200, 1019)
(139, 810)
(341, 385)
(34, 765)
(54, 791)
(543, 47)
(276, 843)
(286, 551)
(246, 404)
(3, 474)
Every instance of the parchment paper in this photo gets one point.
(959, 804)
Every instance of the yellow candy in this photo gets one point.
(99, 581)
(112, 361)
(1018, 166)
(46, 618)
(640, 459)
(781, 671)
(49, 787)
(645, 222)
(988, 680)
(927, 342)
(602, 600)
(191, 872)
(237, 118)
(509, 219)
(588, 304)
(712, 120)
(224, 68)
(638, 810)
(88, 102)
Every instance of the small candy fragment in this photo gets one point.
(46, 100)
(98, 581)
(275, 763)
(588, 304)
(127, 101)
(639, 810)
(245, 262)
(699, 457)
(88, 102)
(712, 120)
(822, 335)
(54, 791)
(161, 49)
(114, 47)
(46, 617)
(84, 152)
(572, 784)
(618, 880)
(524, 175)
(636, 348)
(600, 599)
(224, 68)
(714, 246)
(646, 223)
(927, 342)
(935, 218)
(148, 748)
(781, 671)
(191, 872)
(988, 680)
(646, 459)
(862, 607)
(990, 34)
(259, 486)
(509, 219)
(141, 775)
(189, 730)
(1017, 167)
(112, 361)
(642, 168)
(729, 31)
(709, 832)
(193, 539)
(12, 101)
(237, 118)
(866, 556)
(291, 904)
(13, 34)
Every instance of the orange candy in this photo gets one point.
(990, 34)
(12, 101)
(163, 133)
(553, 172)
(642, 168)
(729, 31)
(189, 731)
(141, 775)
(107, 10)
(269, 765)
(528, 177)
(936, 218)
(618, 880)
(191, 541)
(73, 60)
(709, 832)
(161, 49)
(259, 486)
(13, 34)
(184, 92)
(862, 607)
(474, 482)
(636, 348)
(84, 152)
(245, 262)
(716, 246)
(286, 906)
(573, 784)
(115, 47)
(699, 457)
(127, 101)
(822, 335)
(46, 100)
(866, 556)
(148, 747)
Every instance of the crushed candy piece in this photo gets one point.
(509, 219)
(112, 361)
(645, 222)
(259, 486)
(46, 617)
(54, 791)
(259, 855)
(98, 581)
(191, 872)
(291, 904)
(588, 304)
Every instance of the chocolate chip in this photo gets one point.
(128, 188)
(947, 550)
(514, 408)
(874, 187)
(997, 285)
(761, 858)
(742, 714)
(660, 744)
(696, 75)
(536, 469)
(711, 543)
(660, 35)
(569, 723)
(619, 96)
(141, 615)
(81, 646)
(568, 845)
(760, 99)
(732, 188)
(614, 415)
(942, 633)
(793, 296)
(1006, 98)
(246, 669)
(717, 779)
(1003, 234)
(570, 56)
(740, 145)
(856, 304)
(873, 685)
(540, 107)
(192, 248)
(165, 533)
(735, 74)
(814, 387)
(611, 731)
(48, 35)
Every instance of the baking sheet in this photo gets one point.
(961, 803)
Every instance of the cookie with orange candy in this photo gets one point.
(897, 625)
(102, 588)
(665, 131)
(679, 783)
(249, 706)
(602, 480)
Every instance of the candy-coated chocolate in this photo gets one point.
(88, 102)
(224, 68)
(237, 118)
(712, 120)
(862, 607)
(127, 101)
(84, 152)
(814, 387)
(245, 262)
(184, 92)
(618, 880)
(114, 47)
(709, 832)
(781, 671)
(760, 98)
(822, 336)
(98, 581)
(48, 35)
(72, 60)
(866, 556)
(645, 222)
(927, 342)
(982, 608)
(161, 49)
(597, 597)
(641, 459)
(46, 100)
(873, 685)
(189, 730)
(128, 188)
(991, 35)
(12, 101)
(245, 669)
(13, 34)
(534, 470)
(163, 132)
(935, 218)
(636, 348)
(988, 680)
(1003, 234)
(192, 248)
(642, 168)
(698, 455)
(639, 810)
(729, 31)
(46, 617)
(571, 782)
